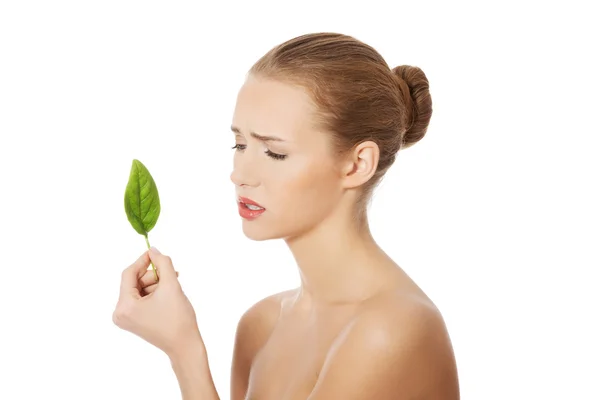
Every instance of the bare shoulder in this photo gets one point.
(397, 347)
(402, 317)
(257, 323)
(253, 330)
(407, 324)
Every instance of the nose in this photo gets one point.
(244, 173)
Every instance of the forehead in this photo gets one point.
(272, 107)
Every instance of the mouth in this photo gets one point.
(249, 209)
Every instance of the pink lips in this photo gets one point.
(246, 212)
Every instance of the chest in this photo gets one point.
(288, 365)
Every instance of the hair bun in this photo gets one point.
(414, 89)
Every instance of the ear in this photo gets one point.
(360, 165)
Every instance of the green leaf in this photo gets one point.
(142, 204)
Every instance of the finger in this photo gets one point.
(163, 264)
(148, 278)
(132, 274)
(150, 289)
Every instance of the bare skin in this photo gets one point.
(391, 346)
(357, 328)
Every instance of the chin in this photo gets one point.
(260, 231)
(253, 230)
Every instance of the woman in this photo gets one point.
(317, 123)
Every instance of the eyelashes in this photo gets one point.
(275, 156)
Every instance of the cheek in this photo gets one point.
(310, 189)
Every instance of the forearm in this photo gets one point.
(193, 374)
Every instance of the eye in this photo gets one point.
(239, 147)
(275, 155)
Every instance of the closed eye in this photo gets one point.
(275, 156)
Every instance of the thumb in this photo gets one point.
(163, 265)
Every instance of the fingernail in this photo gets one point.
(154, 250)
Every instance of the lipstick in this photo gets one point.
(249, 209)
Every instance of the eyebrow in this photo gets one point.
(259, 137)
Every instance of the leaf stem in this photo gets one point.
(153, 269)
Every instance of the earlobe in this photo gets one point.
(361, 164)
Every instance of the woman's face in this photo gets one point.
(281, 162)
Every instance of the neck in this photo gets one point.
(339, 261)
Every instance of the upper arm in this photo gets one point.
(405, 355)
(253, 329)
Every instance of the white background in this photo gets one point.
(494, 213)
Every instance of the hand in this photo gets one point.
(158, 312)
